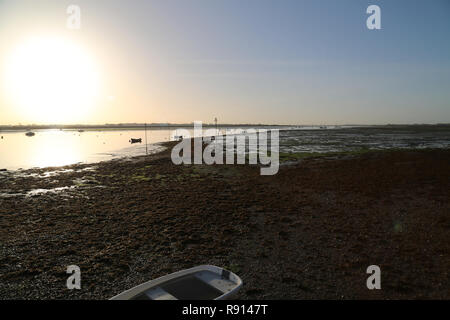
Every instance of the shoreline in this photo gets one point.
(308, 232)
(24, 128)
(439, 139)
(150, 126)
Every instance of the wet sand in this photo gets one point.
(308, 232)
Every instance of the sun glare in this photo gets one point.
(51, 80)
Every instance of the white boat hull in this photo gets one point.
(204, 282)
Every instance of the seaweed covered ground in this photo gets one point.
(308, 232)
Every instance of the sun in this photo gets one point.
(51, 80)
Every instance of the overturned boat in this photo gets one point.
(203, 282)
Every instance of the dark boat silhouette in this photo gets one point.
(132, 140)
(30, 134)
(178, 138)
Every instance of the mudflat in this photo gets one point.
(308, 232)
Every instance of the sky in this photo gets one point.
(242, 61)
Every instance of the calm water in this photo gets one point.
(50, 148)
(58, 148)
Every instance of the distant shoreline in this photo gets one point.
(138, 126)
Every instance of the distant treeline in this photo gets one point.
(190, 125)
(122, 126)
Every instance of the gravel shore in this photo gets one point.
(308, 232)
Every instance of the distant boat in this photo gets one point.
(81, 130)
(30, 134)
(199, 283)
(135, 140)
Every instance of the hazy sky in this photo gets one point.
(246, 61)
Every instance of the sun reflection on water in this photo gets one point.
(54, 151)
(52, 148)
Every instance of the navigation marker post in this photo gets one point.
(146, 147)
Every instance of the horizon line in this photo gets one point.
(190, 124)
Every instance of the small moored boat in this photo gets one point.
(30, 134)
(199, 283)
(132, 140)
